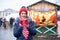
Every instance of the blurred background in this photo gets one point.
(9, 11)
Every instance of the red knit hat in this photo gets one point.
(23, 9)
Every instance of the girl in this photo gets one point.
(24, 27)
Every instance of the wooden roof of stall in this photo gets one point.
(58, 6)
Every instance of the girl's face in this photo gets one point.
(23, 14)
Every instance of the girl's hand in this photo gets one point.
(20, 25)
(26, 25)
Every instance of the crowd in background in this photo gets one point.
(4, 23)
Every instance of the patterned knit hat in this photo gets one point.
(23, 9)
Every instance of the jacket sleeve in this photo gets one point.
(32, 29)
(17, 30)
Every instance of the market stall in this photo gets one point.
(44, 14)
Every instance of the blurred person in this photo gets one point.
(24, 27)
(11, 22)
(0, 22)
(4, 23)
